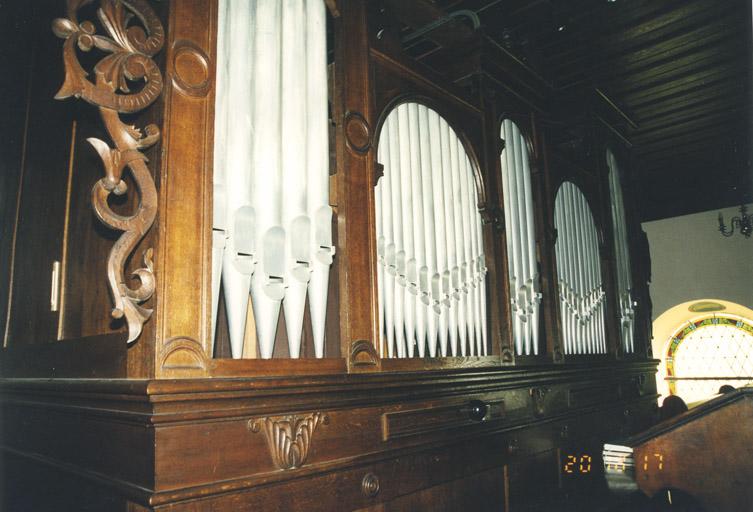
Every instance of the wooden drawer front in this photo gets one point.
(593, 395)
(431, 419)
(394, 484)
(199, 453)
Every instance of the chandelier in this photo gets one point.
(744, 223)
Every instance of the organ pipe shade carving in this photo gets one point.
(622, 256)
(272, 234)
(431, 270)
(525, 294)
(582, 298)
(130, 49)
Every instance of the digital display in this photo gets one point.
(655, 462)
(580, 463)
(618, 465)
(577, 464)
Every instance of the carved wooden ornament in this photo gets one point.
(135, 36)
(288, 437)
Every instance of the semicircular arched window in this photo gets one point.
(525, 293)
(578, 273)
(709, 352)
(431, 269)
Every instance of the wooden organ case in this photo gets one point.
(123, 385)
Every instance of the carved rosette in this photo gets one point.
(288, 437)
(134, 35)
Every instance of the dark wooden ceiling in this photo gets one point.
(677, 71)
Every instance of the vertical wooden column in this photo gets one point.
(543, 186)
(607, 251)
(354, 183)
(499, 282)
(548, 321)
(183, 262)
(640, 265)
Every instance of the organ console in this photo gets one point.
(315, 278)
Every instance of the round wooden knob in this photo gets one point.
(370, 485)
(477, 410)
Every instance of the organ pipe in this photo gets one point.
(272, 234)
(622, 256)
(582, 299)
(431, 275)
(525, 295)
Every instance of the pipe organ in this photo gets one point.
(525, 294)
(432, 271)
(579, 273)
(622, 255)
(278, 172)
(272, 220)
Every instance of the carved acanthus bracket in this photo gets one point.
(508, 356)
(538, 399)
(135, 36)
(288, 437)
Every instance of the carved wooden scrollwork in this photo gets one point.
(288, 437)
(134, 36)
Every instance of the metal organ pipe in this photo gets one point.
(240, 255)
(317, 151)
(428, 193)
(219, 220)
(521, 242)
(440, 281)
(622, 255)
(428, 272)
(579, 273)
(272, 219)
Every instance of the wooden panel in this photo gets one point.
(533, 481)
(705, 453)
(44, 171)
(483, 492)
(85, 300)
(31, 485)
(403, 476)
(95, 357)
(99, 446)
(14, 103)
(183, 255)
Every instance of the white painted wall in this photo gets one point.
(691, 260)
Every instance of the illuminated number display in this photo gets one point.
(617, 466)
(577, 464)
(655, 462)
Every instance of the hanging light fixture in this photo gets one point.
(744, 223)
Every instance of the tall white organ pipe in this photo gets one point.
(219, 222)
(431, 277)
(272, 233)
(440, 280)
(525, 295)
(622, 255)
(579, 273)
(240, 255)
